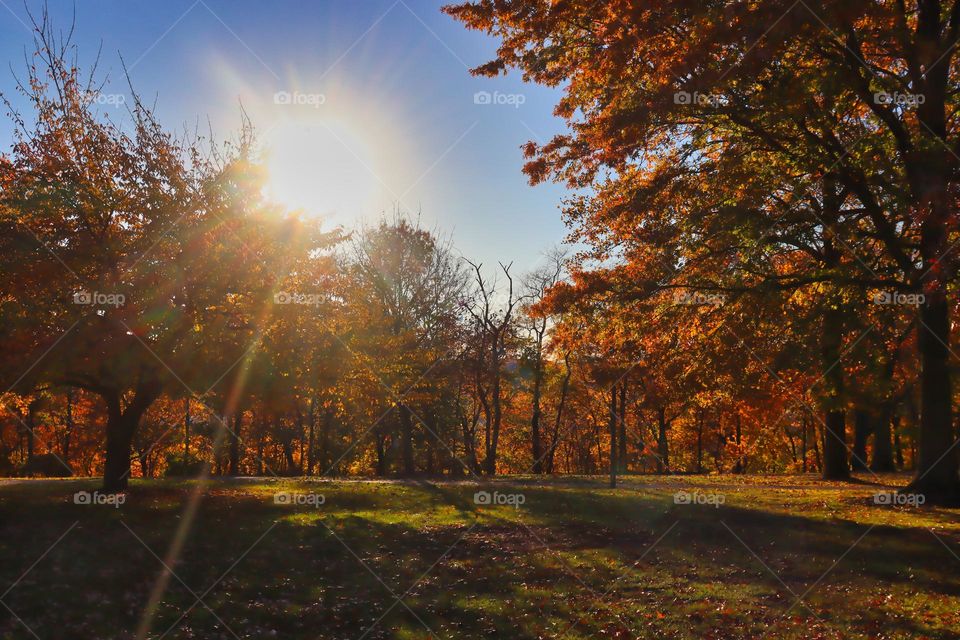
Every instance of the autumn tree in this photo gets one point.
(777, 78)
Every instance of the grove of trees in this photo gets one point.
(767, 282)
(799, 159)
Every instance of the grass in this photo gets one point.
(782, 557)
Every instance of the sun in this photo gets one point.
(322, 167)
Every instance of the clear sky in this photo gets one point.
(360, 103)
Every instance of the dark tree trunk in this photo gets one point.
(738, 435)
(469, 433)
(622, 424)
(564, 390)
(700, 442)
(897, 444)
(312, 418)
(430, 466)
(862, 428)
(931, 174)
(721, 440)
(641, 443)
(835, 465)
(490, 463)
(816, 448)
(613, 437)
(285, 441)
(536, 443)
(406, 440)
(186, 428)
(381, 454)
(937, 465)
(234, 469)
(68, 434)
(663, 453)
(803, 444)
(120, 429)
(260, 446)
(121, 426)
(31, 428)
(882, 441)
(325, 428)
(300, 438)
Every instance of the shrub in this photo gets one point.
(180, 464)
(46, 465)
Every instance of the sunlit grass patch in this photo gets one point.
(571, 561)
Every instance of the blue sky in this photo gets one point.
(360, 103)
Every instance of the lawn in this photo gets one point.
(749, 557)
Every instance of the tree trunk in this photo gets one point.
(622, 426)
(721, 440)
(260, 445)
(121, 426)
(897, 444)
(490, 463)
(381, 441)
(564, 390)
(536, 443)
(700, 442)
(738, 434)
(663, 458)
(882, 440)
(835, 465)
(468, 428)
(862, 427)
(816, 448)
(803, 444)
(326, 426)
(186, 428)
(312, 418)
(931, 175)
(120, 430)
(406, 440)
(937, 465)
(31, 428)
(235, 444)
(613, 437)
(68, 434)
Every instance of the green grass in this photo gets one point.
(576, 560)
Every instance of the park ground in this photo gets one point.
(744, 557)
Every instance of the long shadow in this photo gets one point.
(568, 563)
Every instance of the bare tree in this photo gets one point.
(493, 312)
(537, 324)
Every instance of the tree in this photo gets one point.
(168, 251)
(774, 78)
(408, 289)
(495, 328)
(537, 324)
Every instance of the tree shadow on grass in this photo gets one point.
(569, 563)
